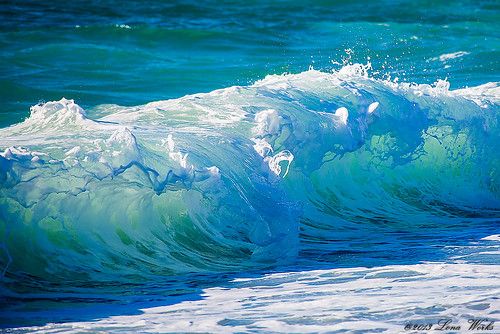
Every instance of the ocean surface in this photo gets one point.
(249, 166)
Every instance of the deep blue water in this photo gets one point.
(331, 135)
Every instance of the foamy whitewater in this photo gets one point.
(307, 202)
(355, 300)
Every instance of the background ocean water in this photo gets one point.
(294, 166)
(132, 53)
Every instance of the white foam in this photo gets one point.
(379, 299)
(274, 162)
(56, 113)
(494, 237)
(341, 115)
(178, 156)
(447, 56)
(268, 125)
(123, 26)
(268, 122)
(372, 107)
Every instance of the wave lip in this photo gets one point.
(242, 176)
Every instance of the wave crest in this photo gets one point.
(227, 179)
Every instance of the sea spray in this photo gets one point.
(242, 177)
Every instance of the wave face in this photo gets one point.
(242, 177)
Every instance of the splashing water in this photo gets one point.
(247, 176)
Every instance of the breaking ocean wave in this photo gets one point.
(242, 177)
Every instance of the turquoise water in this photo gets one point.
(150, 151)
(134, 53)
